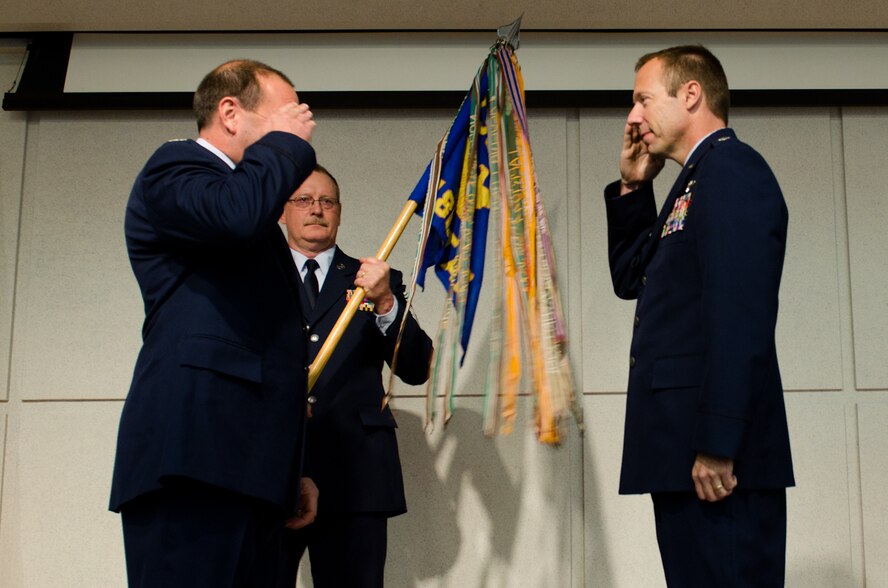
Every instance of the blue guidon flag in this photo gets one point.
(482, 166)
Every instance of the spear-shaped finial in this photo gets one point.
(510, 33)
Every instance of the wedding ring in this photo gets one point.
(719, 487)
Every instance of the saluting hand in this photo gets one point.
(293, 118)
(637, 165)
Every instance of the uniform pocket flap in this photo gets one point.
(219, 355)
(373, 417)
(683, 371)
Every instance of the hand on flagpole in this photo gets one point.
(373, 277)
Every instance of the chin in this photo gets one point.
(654, 149)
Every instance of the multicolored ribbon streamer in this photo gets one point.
(483, 165)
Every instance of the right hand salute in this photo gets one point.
(637, 165)
(295, 118)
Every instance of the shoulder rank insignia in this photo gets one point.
(676, 219)
(366, 305)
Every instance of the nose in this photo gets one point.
(635, 117)
(315, 207)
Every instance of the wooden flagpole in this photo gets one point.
(323, 356)
(509, 34)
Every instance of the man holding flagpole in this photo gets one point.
(351, 441)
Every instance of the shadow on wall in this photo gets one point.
(425, 543)
(815, 574)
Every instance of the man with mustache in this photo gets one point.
(705, 431)
(351, 440)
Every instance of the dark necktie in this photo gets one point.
(311, 281)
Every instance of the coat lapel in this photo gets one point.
(687, 173)
(340, 277)
(285, 260)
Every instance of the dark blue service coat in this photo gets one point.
(219, 389)
(706, 271)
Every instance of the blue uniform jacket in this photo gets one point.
(219, 389)
(706, 271)
(351, 438)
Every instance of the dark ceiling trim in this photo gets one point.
(404, 100)
(47, 63)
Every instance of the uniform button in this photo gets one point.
(312, 399)
(650, 235)
(632, 361)
(644, 280)
(637, 320)
(306, 328)
(314, 338)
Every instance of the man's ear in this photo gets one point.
(693, 96)
(228, 110)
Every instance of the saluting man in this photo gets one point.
(706, 431)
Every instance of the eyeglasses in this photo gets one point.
(303, 202)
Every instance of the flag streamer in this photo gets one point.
(483, 165)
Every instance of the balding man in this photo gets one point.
(209, 453)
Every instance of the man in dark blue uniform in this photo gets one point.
(706, 431)
(351, 435)
(209, 453)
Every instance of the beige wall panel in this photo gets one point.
(620, 539)
(482, 512)
(621, 548)
(79, 313)
(378, 160)
(872, 422)
(2, 457)
(82, 15)
(607, 320)
(12, 152)
(56, 529)
(818, 523)
(810, 350)
(866, 142)
(808, 329)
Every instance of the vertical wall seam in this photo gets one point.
(573, 282)
(5, 458)
(846, 338)
(17, 258)
(843, 244)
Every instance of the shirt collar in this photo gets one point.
(213, 149)
(691, 152)
(324, 259)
